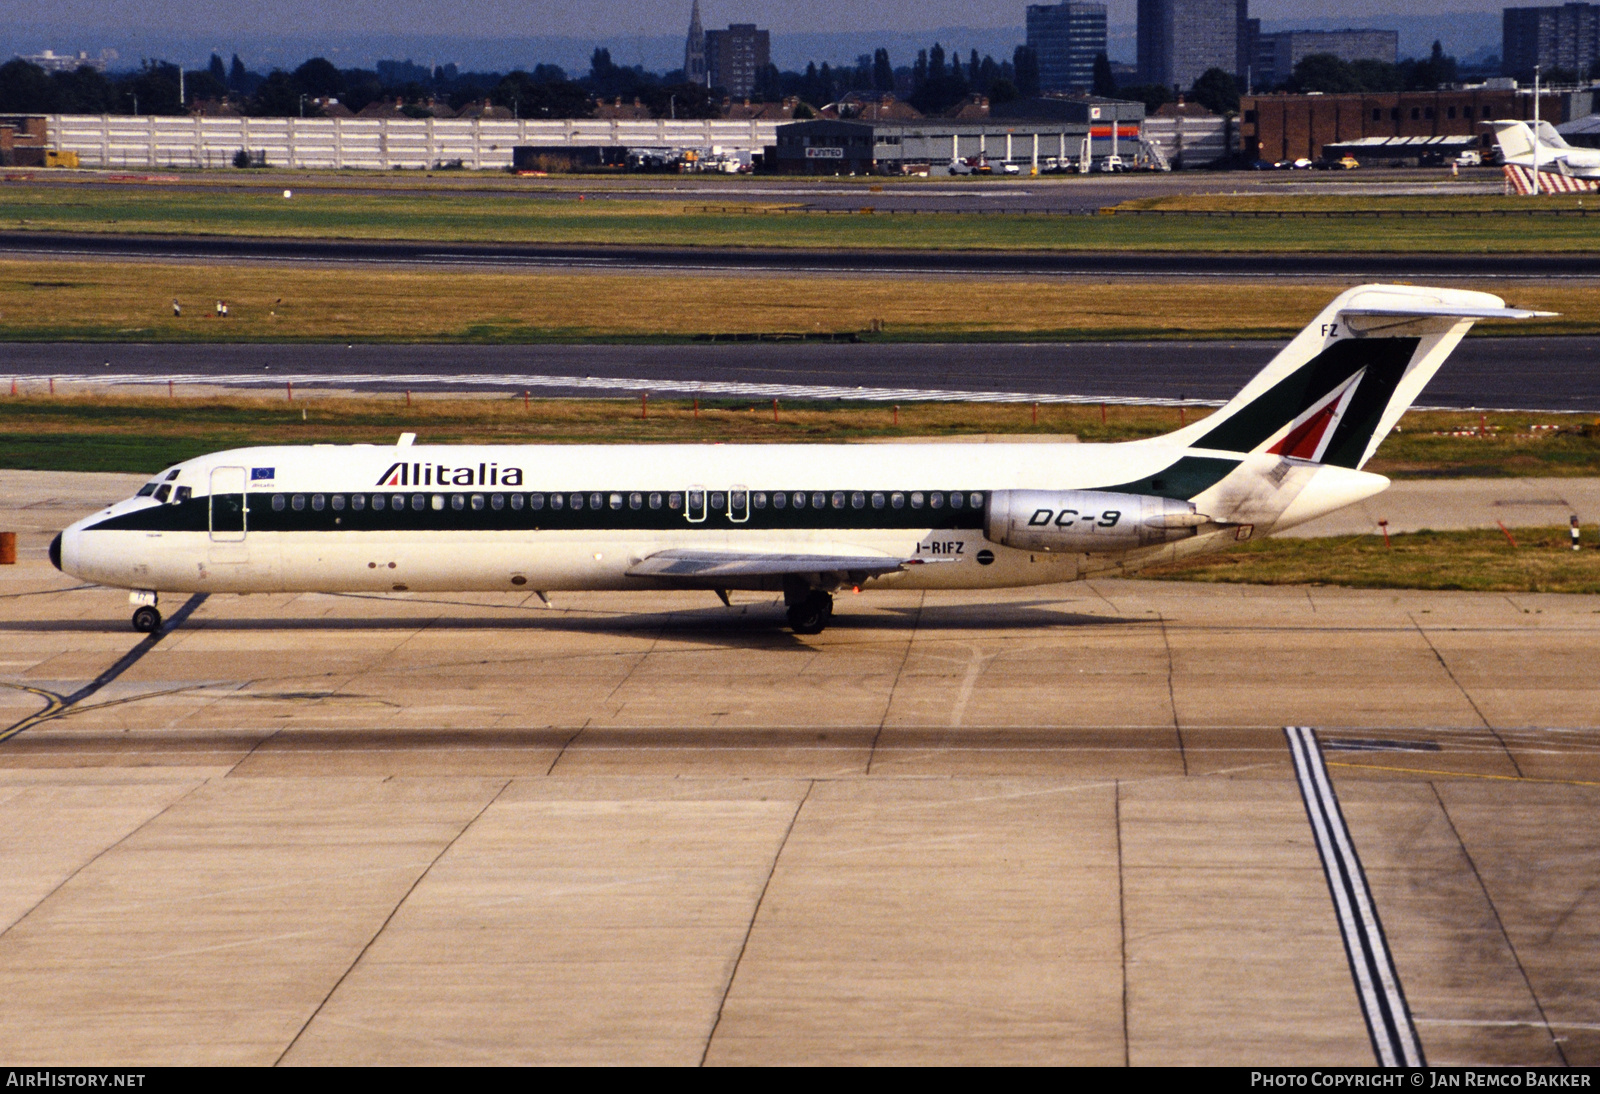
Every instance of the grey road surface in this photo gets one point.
(1521, 373)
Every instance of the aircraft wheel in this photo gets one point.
(811, 614)
(146, 620)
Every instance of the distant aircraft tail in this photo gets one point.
(1334, 392)
(1514, 138)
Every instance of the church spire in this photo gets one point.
(694, 50)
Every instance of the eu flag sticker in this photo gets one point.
(259, 473)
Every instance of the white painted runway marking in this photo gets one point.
(527, 381)
(1383, 1000)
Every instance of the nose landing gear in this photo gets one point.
(146, 620)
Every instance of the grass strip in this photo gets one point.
(144, 433)
(132, 302)
(1477, 560)
(446, 216)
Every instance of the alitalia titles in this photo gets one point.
(437, 474)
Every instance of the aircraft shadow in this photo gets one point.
(740, 625)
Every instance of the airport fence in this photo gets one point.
(113, 142)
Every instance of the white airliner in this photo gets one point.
(1518, 146)
(805, 520)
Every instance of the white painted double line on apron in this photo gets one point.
(1383, 1000)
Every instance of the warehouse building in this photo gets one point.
(1080, 135)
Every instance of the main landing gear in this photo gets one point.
(146, 620)
(809, 609)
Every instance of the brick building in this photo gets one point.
(1290, 127)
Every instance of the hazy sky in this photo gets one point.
(528, 18)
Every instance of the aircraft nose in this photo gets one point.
(55, 551)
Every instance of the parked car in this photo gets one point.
(1469, 158)
(1111, 165)
(1343, 163)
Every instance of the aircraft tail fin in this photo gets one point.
(1334, 392)
(1514, 138)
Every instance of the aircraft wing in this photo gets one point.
(699, 566)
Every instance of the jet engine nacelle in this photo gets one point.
(1086, 521)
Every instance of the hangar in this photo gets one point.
(1076, 136)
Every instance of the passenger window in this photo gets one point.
(594, 501)
(399, 501)
(379, 501)
(838, 499)
(298, 502)
(162, 491)
(516, 501)
(916, 499)
(655, 501)
(477, 503)
(337, 501)
(497, 501)
(419, 502)
(457, 501)
(438, 502)
(318, 502)
(957, 501)
(557, 501)
(277, 503)
(780, 500)
(760, 500)
(358, 502)
(858, 500)
(576, 501)
(877, 501)
(615, 501)
(897, 500)
(819, 501)
(718, 500)
(535, 501)
(936, 500)
(977, 501)
(674, 501)
(635, 501)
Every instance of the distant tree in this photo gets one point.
(530, 97)
(203, 84)
(1560, 76)
(1217, 91)
(802, 111)
(1154, 96)
(27, 89)
(85, 91)
(1025, 63)
(318, 77)
(882, 71)
(239, 77)
(1429, 75)
(1376, 75)
(218, 70)
(1105, 82)
(919, 70)
(276, 97)
(988, 74)
(1325, 73)
(1002, 91)
(682, 101)
(769, 84)
(361, 88)
(154, 87)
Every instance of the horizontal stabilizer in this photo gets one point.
(1457, 311)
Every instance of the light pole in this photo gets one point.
(1537, 187)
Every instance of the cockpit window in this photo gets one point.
(173, 474)
(162, 491)
(146, 490)
(184, 493)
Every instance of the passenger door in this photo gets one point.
(227, 505)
